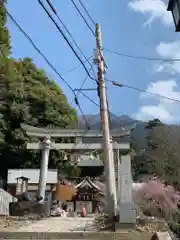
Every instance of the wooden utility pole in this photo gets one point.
(108, 153)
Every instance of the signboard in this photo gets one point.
(64, 192)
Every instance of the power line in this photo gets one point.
(65, 38)
(76, 67)
(84, 81)
(89, 99)
(78, 10)
(117, 84)
(141, 57)
(97, 105)
(87, 24)
(49, 15)
(77, 103)
(55, 12)
(142, 90)
(85, 9)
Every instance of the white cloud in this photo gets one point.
(170, 50)
(150, 112)
(156, 9)
(164, 109)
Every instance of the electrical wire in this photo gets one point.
(97, 105)
(65, 38)
(59, 29)
(117, 84)
(91, 100)
(87, 24)
(85, 9)
(78, 10)
(77, 102)
(142, 90)
(84, 81)
(76, 67)
(55, 12)
(141, 57)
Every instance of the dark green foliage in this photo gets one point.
(4, 34)
(153, 123)
(27, 96)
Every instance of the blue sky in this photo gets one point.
(137, 27)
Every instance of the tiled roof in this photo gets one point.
(89, 183)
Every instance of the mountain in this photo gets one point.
(138, 135)
(115, 121)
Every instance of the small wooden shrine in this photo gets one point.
(87, 195)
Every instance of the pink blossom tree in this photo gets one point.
(157, 199)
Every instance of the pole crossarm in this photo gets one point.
(80, 146)
(44, 132)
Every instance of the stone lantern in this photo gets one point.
(21, 185)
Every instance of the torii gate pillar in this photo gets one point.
(44, 169)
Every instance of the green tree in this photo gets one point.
(165, 153)
(32, 99)
(161, 156)
(144, 164)
(5, 46)
(27, 96)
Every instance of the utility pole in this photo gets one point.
(108, 153)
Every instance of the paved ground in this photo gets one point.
(60, 224)
(11, 225)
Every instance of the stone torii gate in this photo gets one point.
(86, 141)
